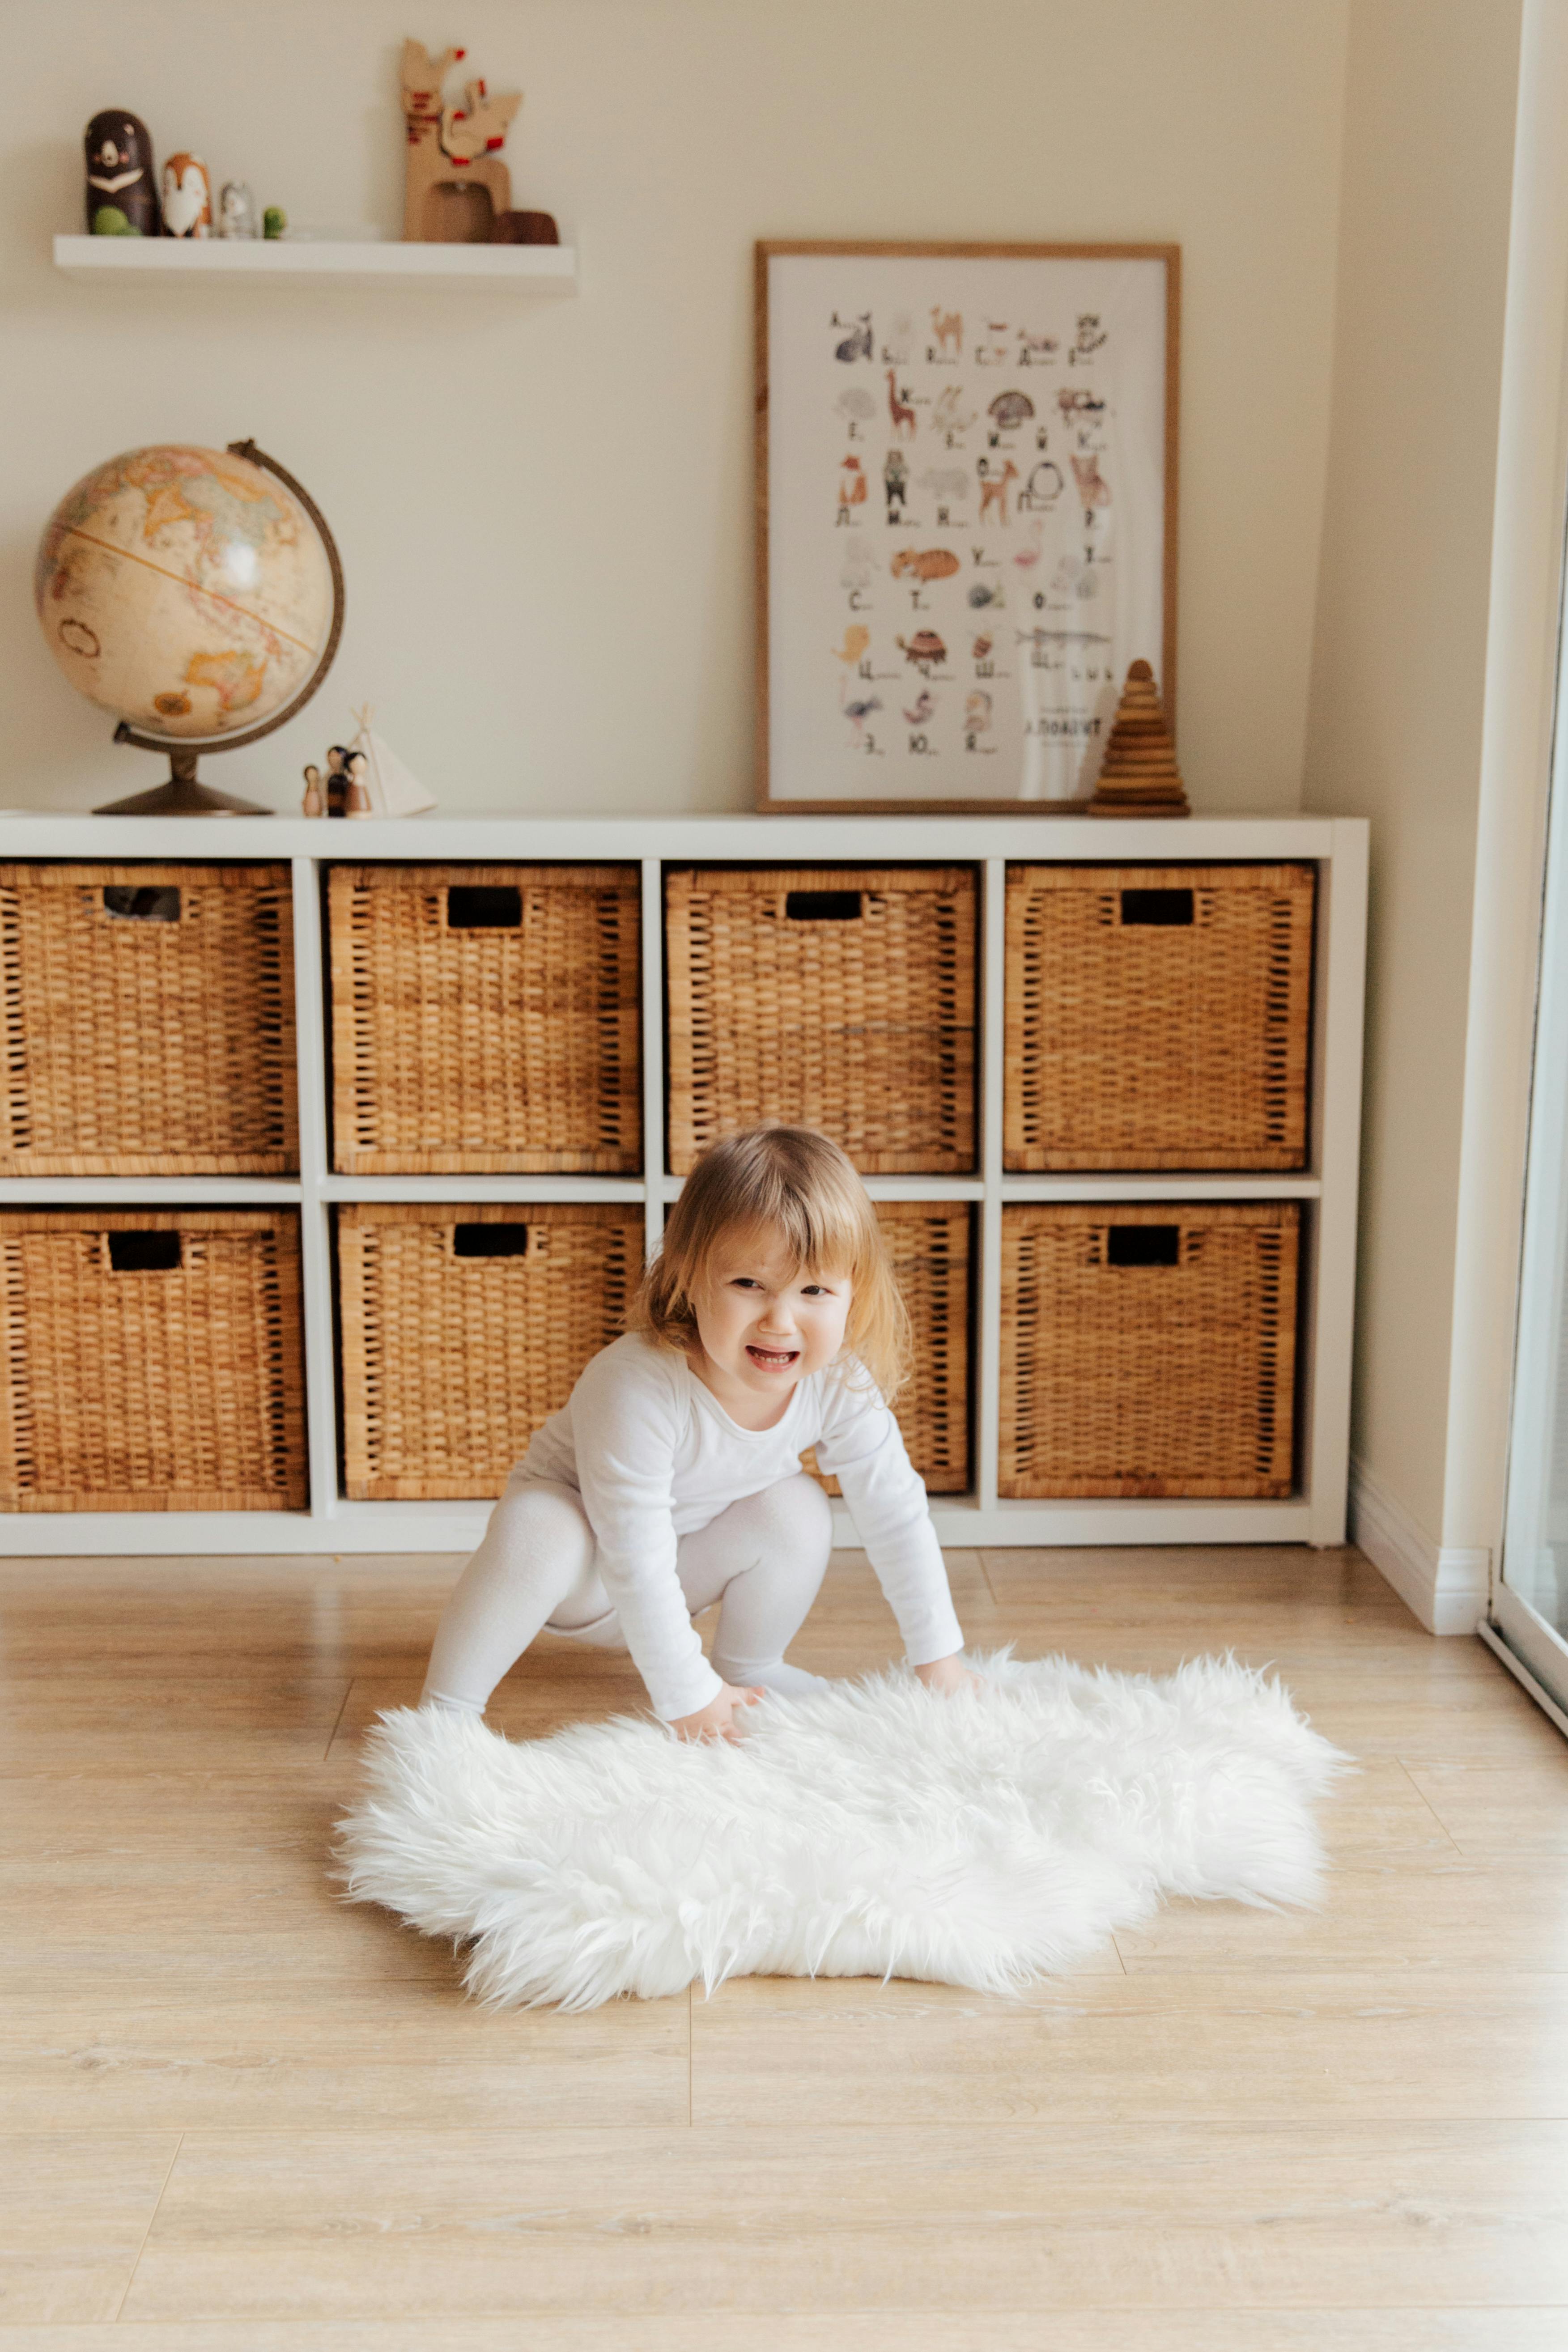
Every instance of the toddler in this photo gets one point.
(671, 1478)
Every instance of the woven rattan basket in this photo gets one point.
(1148, 1350)
(1157, 1016)
(463, 1328)
(841, 999)
(152, 1361)
(149, 1021)
(484, 1018)
(929, 1242)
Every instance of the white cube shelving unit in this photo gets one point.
(1327, 1185)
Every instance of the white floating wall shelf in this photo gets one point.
(523, 268)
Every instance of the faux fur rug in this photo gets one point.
(870, 1828)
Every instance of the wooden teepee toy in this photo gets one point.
(1139, 775)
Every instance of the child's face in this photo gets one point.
(765, 1322)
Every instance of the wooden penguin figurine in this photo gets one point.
(187, 196)
(121, 184)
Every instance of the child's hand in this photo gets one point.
(949, 1674)
(717, 1719)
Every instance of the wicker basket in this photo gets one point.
(463, 1328)
(484, 1018)
(841, 999)
(149, 1021)
(1148, 1350)
(152, 1361)
(929, 1242)
(1157, 1016)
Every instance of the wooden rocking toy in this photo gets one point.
(457, 186)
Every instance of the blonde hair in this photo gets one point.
(796, 1183)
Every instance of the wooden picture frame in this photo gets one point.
(1058, 547)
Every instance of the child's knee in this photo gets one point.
(798, 1516)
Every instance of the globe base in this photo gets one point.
(182, 795)
(178, 798)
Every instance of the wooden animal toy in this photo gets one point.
(456, 185)
(121, 179)
(237, 214)
(187, 196)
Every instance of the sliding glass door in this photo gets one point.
(1529, 1604)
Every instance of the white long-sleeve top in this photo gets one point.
(654, 1455)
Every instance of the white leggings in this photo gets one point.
(536, 1568)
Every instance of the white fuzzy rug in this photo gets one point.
(870, 1829)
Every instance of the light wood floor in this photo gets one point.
(239, 2117)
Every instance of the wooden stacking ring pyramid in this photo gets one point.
(1139, 775)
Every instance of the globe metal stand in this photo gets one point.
(182, 795)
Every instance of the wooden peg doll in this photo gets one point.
(337, 780)
(314, 802)
(357, 799)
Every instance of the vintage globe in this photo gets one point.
(194, 592)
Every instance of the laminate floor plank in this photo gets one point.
(1166, 2048)
(1402, 1910)
(945, 2217)
(75, 2208)
(1497, 1809)
(331, 2057)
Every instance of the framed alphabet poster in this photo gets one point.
(966, 505)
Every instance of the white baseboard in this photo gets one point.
(1447, 1586)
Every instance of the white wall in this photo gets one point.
(544, 512)
(1400, 655)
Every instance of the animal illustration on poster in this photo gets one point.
(1015, 405)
